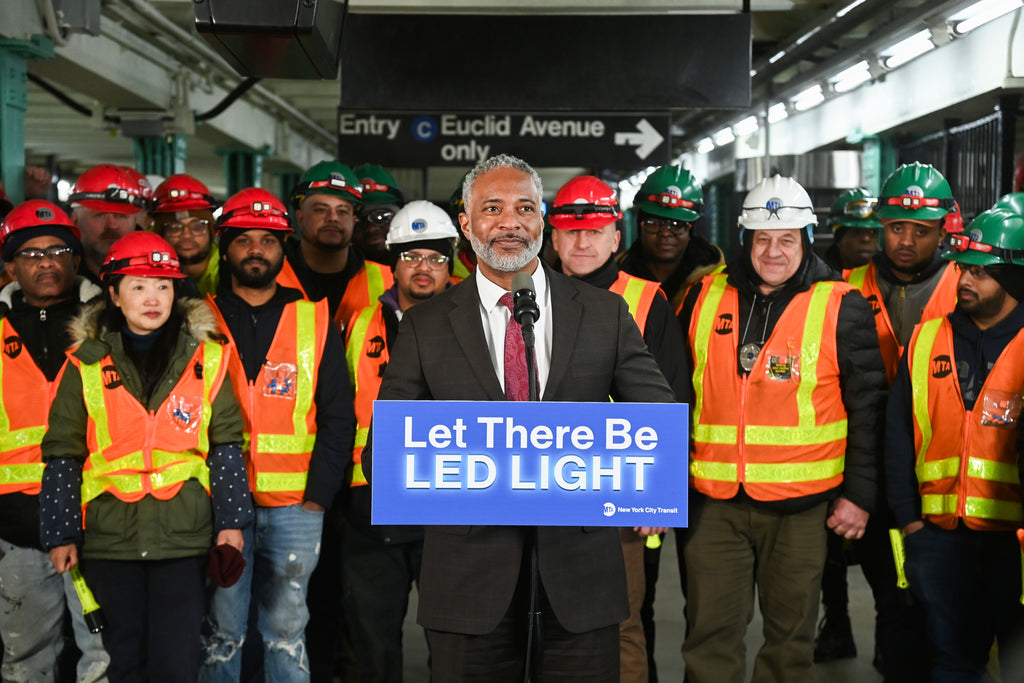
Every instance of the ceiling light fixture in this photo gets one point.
(907, 49)
(981, 13)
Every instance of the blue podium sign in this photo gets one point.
(541, 463)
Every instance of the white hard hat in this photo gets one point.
(777, 203)
(420, 220)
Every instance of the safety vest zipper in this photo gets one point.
(252, 424)
(741, 467)
(147, 452)
(961, 493)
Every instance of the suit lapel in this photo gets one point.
(468, 328)
(565, 321)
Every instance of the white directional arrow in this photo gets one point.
(647, 139)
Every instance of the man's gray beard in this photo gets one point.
(506, 263)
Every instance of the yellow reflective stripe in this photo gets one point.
(990, 470)
(361, 434)
(374, 282)
(19, 438)
(25, 473)
(810, 351)
(920, 364)
(794, 436)
(286, 444)
(713, 471)
(723, 434)
(986, 508)
(305, 345)
(702, 339)
(213, 355)
(934, 504)
(92, 393)
(356, 341)
(858, 276)
(357, 474)
(938, 469)
(634, 290)
(280, 481)
(779, 473)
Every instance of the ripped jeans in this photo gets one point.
(280, 554)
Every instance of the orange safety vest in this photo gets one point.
(24, 409)
(362, 290)
(366, 351)
(134, 452)
(781, 430)
(966, 459)
(288, 278)
(278, 408)
(638, 293)
(941, 302)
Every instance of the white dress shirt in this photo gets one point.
(495, 317)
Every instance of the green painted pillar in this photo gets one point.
(14, 55)
(162, 155)
(286, 180)
(879, 160)
(243, 168)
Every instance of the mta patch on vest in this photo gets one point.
(12, 346)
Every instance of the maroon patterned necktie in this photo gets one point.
(517, 386)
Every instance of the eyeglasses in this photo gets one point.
(380, 217)
(978, 272)
(653, 226)
(198, 227)
(54, 253)
(433, 260)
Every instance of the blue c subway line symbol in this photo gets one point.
(424, 128)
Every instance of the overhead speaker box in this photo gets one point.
(278, 39)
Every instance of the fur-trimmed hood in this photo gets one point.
(200, 322)
(84, 288)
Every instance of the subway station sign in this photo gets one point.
(406, 139)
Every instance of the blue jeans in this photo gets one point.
(970, 585)
(280, 554)
(33, 598)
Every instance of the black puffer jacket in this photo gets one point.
(862, 376)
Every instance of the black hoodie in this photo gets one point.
(862, 378)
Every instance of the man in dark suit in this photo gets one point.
(475, 579)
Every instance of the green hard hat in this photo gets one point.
(379, 186)
(1012, 202)
(916, 192)
(995, 237)
(328, 177)
(671, 192)
(455, 202)
(854, 209)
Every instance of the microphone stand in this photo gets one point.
(526, 312)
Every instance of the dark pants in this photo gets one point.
(154, 614)
(652, 560)
(834, 589)
(899, 619)
(970, 585)
(500, 656)
(376, 578)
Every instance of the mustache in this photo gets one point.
(517, 238)
(255, 259)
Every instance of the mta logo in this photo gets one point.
(773, 204)
(914, 191)
(674, 191)
(942, 366)
(876, 307)
(975, 235)
(111, 377)
(12, 346)
(419, 225)
(723, 324)
(44, 214)
(375, 347)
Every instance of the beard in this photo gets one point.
(506, 263)
(198, 257)
(255, 279)
(983, 308)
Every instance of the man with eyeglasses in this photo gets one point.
(104, 203)
(585, 236)
(382, 562)
(667, 250)
(183, 215)
(382, 198)
(41, 252)
(326, 203)
(952, 462)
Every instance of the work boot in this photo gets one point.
(835, 639)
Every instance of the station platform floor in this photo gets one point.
(668, 614)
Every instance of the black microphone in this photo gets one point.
(525, 309)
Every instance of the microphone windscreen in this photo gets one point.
(521, 281)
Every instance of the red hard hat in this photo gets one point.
(584, 203)
(144, 254)
(139, 184)
(953, 222)
(254, 209)
(182, 193)
(110, 189)
(36, 213)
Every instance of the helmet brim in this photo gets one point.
(680, 214)
(924, 213)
